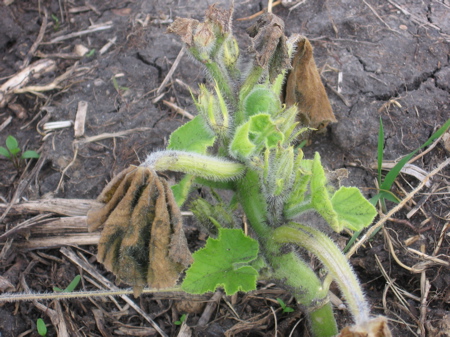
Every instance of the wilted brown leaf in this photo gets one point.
(304, 87)
(269, 44)
(142, 241)
(184, 28)
(376, 327)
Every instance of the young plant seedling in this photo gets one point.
(386, 183)
(181, 320)
(243, 140)
(71, 287)
(14, 153)
(283, 306)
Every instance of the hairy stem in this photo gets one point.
(333, 259)
(288, 269)
(212, 168)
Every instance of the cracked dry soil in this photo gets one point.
(379, 59)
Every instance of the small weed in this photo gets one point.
(41, 327)
(12, 152)
(283, 305)
(71, 287)
(181, 320)
(57, 23)
(118, 88)
(90, 53)
(386, 184)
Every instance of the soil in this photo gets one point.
(387, 60)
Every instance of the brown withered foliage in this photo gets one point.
(269, 44)
(376, 327)
(304, 87)
(142, 241)
(184, 28)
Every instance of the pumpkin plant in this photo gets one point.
(242, 140)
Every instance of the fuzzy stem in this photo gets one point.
(333, 259)
(292, 211)
(211, 168)
(288, 269)
(223, 81)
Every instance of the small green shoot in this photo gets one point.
(56, 22)
(118, 88)
(181, 320)
(71, 287)
(13, 152)
(285, 308)
(41, 327)
(386, 184)
(90, 53)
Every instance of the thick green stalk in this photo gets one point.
(216, 169)
(288, 269)
(333, 259)
(292, 211)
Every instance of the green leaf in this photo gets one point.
(261, 100)
(71, 287)
(181, 190)
(192, 136)
(251, 137)
(12, 144)
(29, 154)
(4, 152)
(354, 211)
(320, 198)
(223, 262)
(41, 328)
(14, 151)
(181, 320)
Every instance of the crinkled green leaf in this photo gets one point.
(223, 262)
(320, 199)
(354, 211)
(4, 152)
(192, 136)
(253, 135)
(11, 143)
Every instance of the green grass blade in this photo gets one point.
(394, 172)
(380, 149)
(71, 287)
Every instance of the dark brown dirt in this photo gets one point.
(394, 58)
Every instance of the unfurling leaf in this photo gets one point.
(223, 262)
(142, 241)
(304, 88)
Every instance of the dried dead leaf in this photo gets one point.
(142, 241)
(305, 88)
(269, 44)
(376, 327)
(184, 28)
